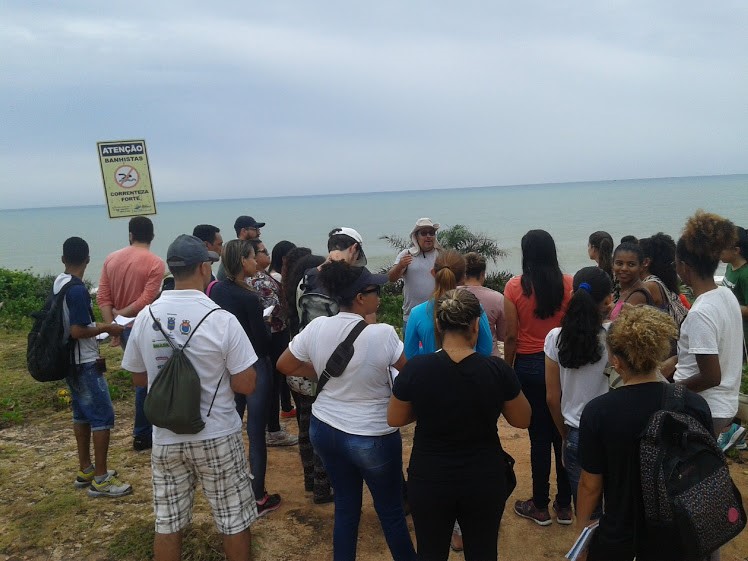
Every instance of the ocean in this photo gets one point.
(32, 238)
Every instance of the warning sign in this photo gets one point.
(127, 178)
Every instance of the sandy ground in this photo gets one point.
(298, 531)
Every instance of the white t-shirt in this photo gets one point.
(714, 326)
(418, 281)
(356, 401)
(578, 385)
(220, 347)
(86, 350)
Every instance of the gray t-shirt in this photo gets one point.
(419, 283)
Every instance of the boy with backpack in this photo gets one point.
(93, 414)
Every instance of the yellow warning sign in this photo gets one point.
(127, 178)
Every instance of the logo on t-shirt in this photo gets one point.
(156, 324)
(185, 327)
(171, 322)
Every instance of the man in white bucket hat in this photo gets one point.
(414, 265)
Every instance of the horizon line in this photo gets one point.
(426, 189)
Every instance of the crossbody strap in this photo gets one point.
(352, 336)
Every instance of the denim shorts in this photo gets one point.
(91, 402)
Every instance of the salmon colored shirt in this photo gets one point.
(532, 330)
(131, 274)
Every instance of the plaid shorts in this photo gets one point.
(220, 465)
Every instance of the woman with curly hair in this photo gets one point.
(534, 303)
(710, 347)
(575, 359)
(457, 466)
(349, 427)
(609, 433)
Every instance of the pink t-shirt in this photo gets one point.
(130, 275)
(532, 330)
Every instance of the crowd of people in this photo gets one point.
(580, 361)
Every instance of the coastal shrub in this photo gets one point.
(391, 310)
(23, 292)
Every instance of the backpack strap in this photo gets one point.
(210, 287)
(352, 336)
(647, 295)
(674, 398)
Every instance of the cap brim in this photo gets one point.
(214, 257)
(361, 261)
(258, 225)
(378, 279)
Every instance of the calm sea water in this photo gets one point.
(32, 238)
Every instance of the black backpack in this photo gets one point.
(685, 482)
(49, 354)
(173, 400)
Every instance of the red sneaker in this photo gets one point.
(288, 414)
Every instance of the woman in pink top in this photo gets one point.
(491, 300)
(534, 303)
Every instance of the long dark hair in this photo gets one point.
(541, 274)
(603, 243)
(280, 250)
(578, 343)
(660, 250)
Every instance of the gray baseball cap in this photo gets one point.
(189, 250)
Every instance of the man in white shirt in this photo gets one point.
(215, 456)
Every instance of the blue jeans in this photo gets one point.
(544, 435)
(142, 427)
(573, 467)
(257, 405)
(350, 460)
(90, 396)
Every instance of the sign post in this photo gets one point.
(127, 178)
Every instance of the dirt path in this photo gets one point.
(42, 517)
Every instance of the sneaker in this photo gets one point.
(288, 414)
(84, 478)
(110, 487)
(268, 504)
(563, 514)
(731, 437)
(281, 438)
(142, 443)
(527, 509)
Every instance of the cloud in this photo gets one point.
(236, 99)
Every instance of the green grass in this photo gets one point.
(391, 310)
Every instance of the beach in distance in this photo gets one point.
(32, 238)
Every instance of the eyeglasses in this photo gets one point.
(426, 232)
(377, 289)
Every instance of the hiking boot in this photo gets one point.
(288, 414)
(142, 443)
(281, 438)
(734, 435)
(527, 509)
(110, 487)
(268, 504)
(563, 514)
(84, 478)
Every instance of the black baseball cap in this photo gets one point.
(247, 222)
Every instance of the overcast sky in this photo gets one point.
(241, 99)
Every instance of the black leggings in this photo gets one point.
(278, 344)
(477, 503)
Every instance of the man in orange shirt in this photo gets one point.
(130, 280)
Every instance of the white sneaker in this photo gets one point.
(110, 487)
